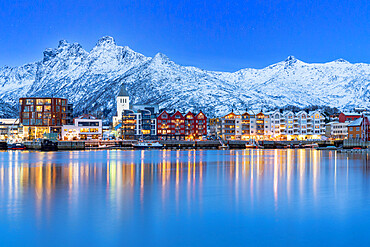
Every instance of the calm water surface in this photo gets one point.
(184, 198)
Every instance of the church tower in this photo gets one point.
(123, 101)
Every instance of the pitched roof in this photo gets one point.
(357, 122)
(123, 92)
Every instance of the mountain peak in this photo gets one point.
(106, 41)
(290, 59)
(62, 43)
(341, 60)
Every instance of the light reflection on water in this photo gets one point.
(184, 197)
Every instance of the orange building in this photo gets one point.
(355, 129)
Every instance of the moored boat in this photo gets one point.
(16, 146)
(147, 145)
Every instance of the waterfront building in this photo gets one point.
(231, 127)
(214, 127)
(41, 116)
(10, 129)
(134, 121)
(273, 125)
(178, 126)
(85, 127)
(355, 129)
(69, 114)
(336, 130)
(123, 103)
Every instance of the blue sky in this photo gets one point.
(214, 35)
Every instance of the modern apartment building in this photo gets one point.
(40, 116)
(84, 127)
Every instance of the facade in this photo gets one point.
(10, 130)
(69, 114)
(273, 125)
(178, 126)
(85, 127)
(355, 129)
(41, 116)
(336, 130)
(215, 127)
(231, 126)
(123, 103)
(134, 121)
(348, 116)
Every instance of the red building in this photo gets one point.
(177, 126)
(348, 116)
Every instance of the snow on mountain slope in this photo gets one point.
(91, 80)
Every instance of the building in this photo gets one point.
(273, 125)
(134, 121)
(40, 116)
(85, 127)
(69, 114)
(355, 129)
(178, 126)
(215, 127)
(231, 126)
(348, 116)
(171, 126)
(10, 130)
(336, 130)
(123, 103)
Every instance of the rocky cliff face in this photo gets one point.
(91, 81)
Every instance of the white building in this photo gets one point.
(273, 125)
(336, 130)
(123, 103)
(85, 127)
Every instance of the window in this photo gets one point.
(39, 108)
(357, 128)
(39, 101)
(47, 108)
(29, 101)
(26, 121)
(350, 128)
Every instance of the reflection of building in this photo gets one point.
(85, 127)
(42, 115)
(10, 129)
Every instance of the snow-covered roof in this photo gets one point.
(357, 122)
(351, 113)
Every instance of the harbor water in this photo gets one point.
(287, 197)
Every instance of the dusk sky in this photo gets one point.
(214, 35)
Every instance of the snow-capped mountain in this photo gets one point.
(91, 81)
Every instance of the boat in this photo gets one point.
(313, 145)
(47, 145)
(147, 145)
(16, 146)
(252, 144)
